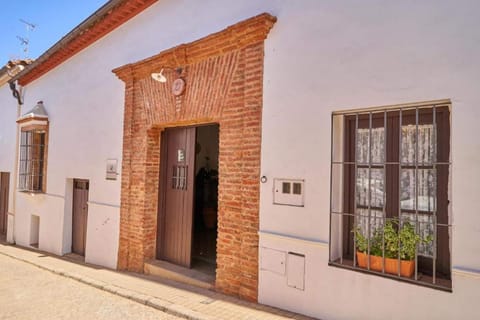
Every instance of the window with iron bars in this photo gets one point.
(32, 160)
(389, 192)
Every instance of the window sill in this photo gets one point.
(31, 192)
(422, 279)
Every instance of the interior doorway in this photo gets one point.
(204, 250)
(188, 204)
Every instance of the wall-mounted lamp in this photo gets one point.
(159, 76)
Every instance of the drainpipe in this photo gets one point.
(18, 94)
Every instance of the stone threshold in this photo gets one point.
(164, 269)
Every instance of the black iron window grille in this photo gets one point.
(32, 160)
(389, 193)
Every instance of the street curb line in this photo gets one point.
(153, 302)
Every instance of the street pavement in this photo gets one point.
(28, 292)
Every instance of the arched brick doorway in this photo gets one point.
(224, 84)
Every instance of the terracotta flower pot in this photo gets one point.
(407, 267)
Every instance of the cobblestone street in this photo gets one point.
(28, 292)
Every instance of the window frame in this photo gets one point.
(390, 116)
(37, 127)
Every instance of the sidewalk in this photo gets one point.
(168, 296)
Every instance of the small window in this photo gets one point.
(32, 160)
(33, 149)
(179, 177)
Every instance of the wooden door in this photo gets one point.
(174, 241)
(79, 216)
(4, 186)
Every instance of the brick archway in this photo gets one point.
(224, 84)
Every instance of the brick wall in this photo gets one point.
(224, 77)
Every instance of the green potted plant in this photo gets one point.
(396, 241)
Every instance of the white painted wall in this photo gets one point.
(8, 112)
(327, 56)
(85, 130)
(320, 56)
(85, 101)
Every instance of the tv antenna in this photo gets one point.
(25, 41)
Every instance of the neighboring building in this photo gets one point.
(247, 141)
(8, 145)
(12, 68)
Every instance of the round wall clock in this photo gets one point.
(178, 86)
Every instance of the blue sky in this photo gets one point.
(53, 19)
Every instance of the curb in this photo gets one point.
(153, 302)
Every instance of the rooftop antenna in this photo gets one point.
(25, 41)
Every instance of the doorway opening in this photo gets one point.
(204, 249)
(188, 204)
(34, 231)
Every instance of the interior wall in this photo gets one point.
(207, 137)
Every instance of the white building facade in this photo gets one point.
(320, 60)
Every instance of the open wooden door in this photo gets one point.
(174, 240)
(80, 216)
(4, 186)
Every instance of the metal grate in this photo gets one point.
(362, 155)
(179, 177)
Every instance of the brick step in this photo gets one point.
(177, 273)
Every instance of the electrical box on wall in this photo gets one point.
(289, 192)
(296, 270)
(272, 260)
